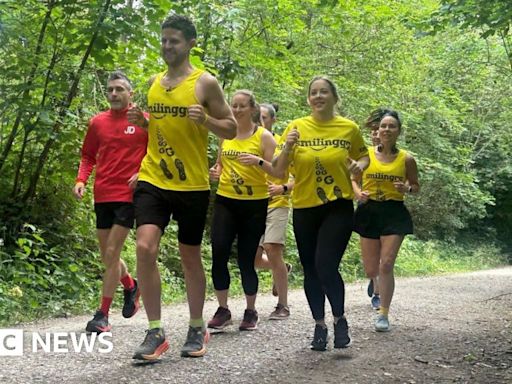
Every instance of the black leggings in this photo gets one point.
(322, 234)
(244, 219)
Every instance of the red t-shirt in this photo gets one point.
(116, 148)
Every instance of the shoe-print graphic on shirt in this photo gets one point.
(238, 190)
(165, 169)
(238, 184)
(337, 192)
(163, 146)
(323, 181)
(321, 194)
(181, 169)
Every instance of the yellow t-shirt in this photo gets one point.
(242, 182)
(177, 154)
(319, 159)
(378, 178)
(278, 201)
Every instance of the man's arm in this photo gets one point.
(87, 162)
(220, 120)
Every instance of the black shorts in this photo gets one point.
(108, 214)
(154, 205)
(380, 218)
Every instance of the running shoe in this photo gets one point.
(289, 270)
(382, 324)
(153, 346)
(99, 323)
(319, 342)
(376, 302)
(370, 288)
(250, 321)
(281, 312)
(195, 345)
(221, 319)
(131, 301)
(341, 334)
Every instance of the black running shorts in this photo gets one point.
(154, 205)
(380, 218)
(108, 214)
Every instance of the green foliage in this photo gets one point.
(38, 281)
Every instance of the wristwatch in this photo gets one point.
(285, 189)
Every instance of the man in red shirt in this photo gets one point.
(115, 148)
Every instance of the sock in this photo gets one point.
(105, 305)
(383, 311)
(127, 282)
(195, 323)
(155, 324)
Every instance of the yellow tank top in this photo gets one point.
(319, 159)
(177, 153)
(242, 182)
(279, 201)
(378, 178)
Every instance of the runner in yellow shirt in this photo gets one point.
(184, 104)
(382, 219)
(325, 149)
(240, 208)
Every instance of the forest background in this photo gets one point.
(445, 65)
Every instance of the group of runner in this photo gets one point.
(322, 157)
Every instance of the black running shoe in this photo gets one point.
(153, 345)
(341, 334)
(195, 345)
(99, 323)
(369, 290)
(131, 301)
(319, 342)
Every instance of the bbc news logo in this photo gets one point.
(12, 342)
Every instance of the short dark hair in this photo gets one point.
(332, 86)
(119, 75)
(181, 23)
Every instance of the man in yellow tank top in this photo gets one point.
(184, 103)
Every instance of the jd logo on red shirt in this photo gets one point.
(130, 130)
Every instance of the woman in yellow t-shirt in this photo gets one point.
(325, 149)
(240, 208)
(381, 218)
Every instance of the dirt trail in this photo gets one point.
(447, 329)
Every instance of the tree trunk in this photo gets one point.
(31, 190)
(31, 76)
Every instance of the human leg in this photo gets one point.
(333, 236)
(251, 216)
(305, 226)
(390, 245)
(223, 232)
(279, 271)
(261, 259)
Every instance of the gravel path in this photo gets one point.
(447, 329)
